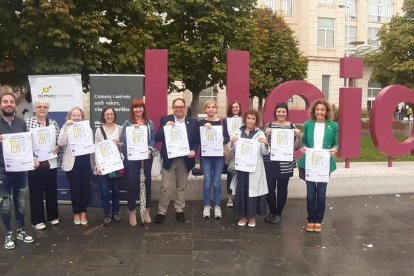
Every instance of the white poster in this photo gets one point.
(107, 157)
(246, 155)
(61, 91)
(44, 142)
(281, 148)
(18, 152)
(211, 141)
(317, 165)
(137, 142)
(80, 138)
(176, 140)
(233, 124)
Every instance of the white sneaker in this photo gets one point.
(217, 212)
(230, 202)
(22, 235)
(206, 212)
(40, 226)
(54, 222)
(9, 242)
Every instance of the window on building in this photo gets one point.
(379, 11)
(205, 95)
(353, 35)
(373, 36)
(326, 32)
(325, 85)
(373, 89)
(353, 8)
(271, 4)
(287, 7)
(327, 1)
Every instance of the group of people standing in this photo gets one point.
(251, 193)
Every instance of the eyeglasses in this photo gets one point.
(178, 107)
(42, 106)
(109, 114)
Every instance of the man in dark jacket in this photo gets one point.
(176, 170)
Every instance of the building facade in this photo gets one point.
(330, 29)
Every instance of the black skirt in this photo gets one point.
(246, 206)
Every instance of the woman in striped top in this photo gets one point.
(278, 173)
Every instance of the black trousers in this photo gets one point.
(278, 190)
(43, 186)
(132, 170)
(79, 179)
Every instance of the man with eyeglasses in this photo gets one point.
(176, 170)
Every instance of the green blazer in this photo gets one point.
(330, 140)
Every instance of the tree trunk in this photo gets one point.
(260, 104)
(195, 103)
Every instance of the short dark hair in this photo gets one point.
(178, 99)
(281, 105)
(7, 94)
(103, 114)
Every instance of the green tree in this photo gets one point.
(197, 34)
(394, 62)
(275, 56)
(94, 36)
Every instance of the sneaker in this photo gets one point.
(22, 235)
(39, 226)
(116, 217)
(107, 221)
(217, 212)
(9, 242)
(54, 222)
(206, 212)
(230, 202)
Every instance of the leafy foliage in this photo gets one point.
(197, 34)
(394, 63)
(275, 55)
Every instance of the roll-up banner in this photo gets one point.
(116, 91)
(62, 92)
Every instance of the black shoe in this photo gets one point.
(159, 218)
(179, 216)
(269, 217)
(275, 219)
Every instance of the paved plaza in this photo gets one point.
(361, 235)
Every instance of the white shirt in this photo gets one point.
(318, 135)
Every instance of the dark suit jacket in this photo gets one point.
(193, 133)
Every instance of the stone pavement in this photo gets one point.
(361, 235)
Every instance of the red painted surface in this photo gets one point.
(351, 67)
(156, 84)
(238, 77)
(382, 117)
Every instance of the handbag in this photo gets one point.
(228, 155)
(156, 164)
(116, 174)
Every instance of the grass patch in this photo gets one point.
(369, 152)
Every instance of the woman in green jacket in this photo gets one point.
(320, 132)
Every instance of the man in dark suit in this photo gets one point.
(176, 170)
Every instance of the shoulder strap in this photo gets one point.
(103, 132)
(47, 121)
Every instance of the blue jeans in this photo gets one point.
(107, 184)
(13, 185)
(316, 196)
(212, 168)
